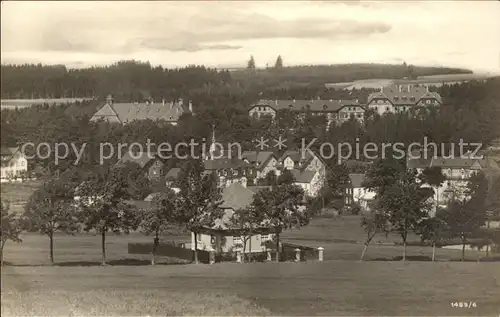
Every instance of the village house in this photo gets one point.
(225, 237)
(14, 164)
(308, 169)
(124, 113)
(228, 167)
(263, 161)
(356, 193)
(457, 172)
(335, 111)
(152, 166)
(395, 99)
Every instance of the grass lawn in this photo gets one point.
(327, 288)
(17, 193)
(340, 285)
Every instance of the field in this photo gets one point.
(327, 288)
(341, 285)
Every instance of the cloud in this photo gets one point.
(182, 27)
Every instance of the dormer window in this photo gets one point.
(396, 98)
(412, 98)
(325, 106)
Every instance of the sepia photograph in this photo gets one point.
(250, 158)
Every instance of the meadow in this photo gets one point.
(340, 285)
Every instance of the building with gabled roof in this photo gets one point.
(124, 113)
(456, 170)
(357, 193)
(395, 99)
(337, 111)
(150, 163)
(13, 163)
(224, 237)
(263, 161)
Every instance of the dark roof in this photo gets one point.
(141, 158)
(139, 204)
(256, 189)
(236, 196)
(401, 95)
(456, 162)
(128, 112)
(303, 176)
(357, 180)
(259, 157)
(302, 105)
(173, 173)
(152, 196)
(224, 163)
(8, 151)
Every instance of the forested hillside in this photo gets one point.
(133, 80)
(470, 112)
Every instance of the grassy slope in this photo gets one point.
(328, 288)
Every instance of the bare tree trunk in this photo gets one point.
(244, 249)
(463, 250)
(365, 247)
(404, 250)
(196, 248)
(103, 246)
(1, 253)
(433, 251)
(250, 250)
(155, 246)
(51, 242)
(277, 246)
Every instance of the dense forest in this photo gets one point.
(471, 111)
(133, 80)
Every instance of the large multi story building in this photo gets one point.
(14, 163)
(457, 172)
(396, 99)
(337, 111)
(128, 112)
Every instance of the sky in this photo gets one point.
(225, 34)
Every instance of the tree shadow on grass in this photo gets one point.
(417, 258)
(120, 262)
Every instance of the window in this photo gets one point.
(380, 101)
(396, 98)
(198, 237)
(236, 240)
(427, 101)
(386, 108)
(264, 237)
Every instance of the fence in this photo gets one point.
(168, 250)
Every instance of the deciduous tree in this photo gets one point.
(104, 206)
(199, 199)
(11, 227)
(50, 210)
(161, 215)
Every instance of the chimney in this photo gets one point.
(147, 102)
(400, 88)
(181, 101)
(276, 102)
(109, 99)
(294, 101)
(409, 87)
(171, 104)
(190, 107)
(163, 101)
(427, 88)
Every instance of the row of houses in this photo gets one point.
(456, 171)
(307, 169)
(392, 99)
